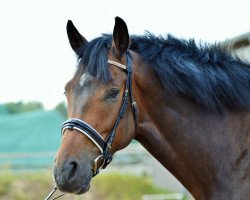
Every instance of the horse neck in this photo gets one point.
(207, 152)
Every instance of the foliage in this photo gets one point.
(104, 187)
(123, 187)
(61, 108)
(23, 186)
(20, 107)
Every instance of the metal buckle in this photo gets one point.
(134, 105)
(95, 168)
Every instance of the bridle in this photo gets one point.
(105, 145)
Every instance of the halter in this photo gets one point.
(105, 145)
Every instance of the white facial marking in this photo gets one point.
(84, 78)
(82, 97)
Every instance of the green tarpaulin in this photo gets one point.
(3, 110)
(30, 138)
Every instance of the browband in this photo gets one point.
(117, 64)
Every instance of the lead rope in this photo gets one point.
(51, 194)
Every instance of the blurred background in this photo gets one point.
(36, 61)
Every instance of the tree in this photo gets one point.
(20, 107)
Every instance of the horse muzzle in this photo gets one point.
(73, 176)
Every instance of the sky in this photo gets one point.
(36, 60)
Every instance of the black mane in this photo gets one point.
(93, 57)
(207, 74)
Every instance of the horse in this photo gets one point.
(188, 104)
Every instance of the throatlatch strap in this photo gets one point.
(133, 103)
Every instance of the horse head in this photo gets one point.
(101, 115)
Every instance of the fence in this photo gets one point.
(173, 196)
(134, 155)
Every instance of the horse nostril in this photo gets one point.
(72, 169)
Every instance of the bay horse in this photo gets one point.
(187, 104)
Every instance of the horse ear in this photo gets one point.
(120, 37)
(76, 40)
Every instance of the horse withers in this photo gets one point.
(188, 105)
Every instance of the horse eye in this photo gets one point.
(113, 94)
